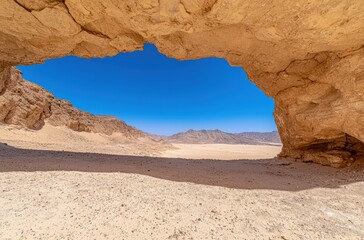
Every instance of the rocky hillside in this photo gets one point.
(27, 104)
(268, 137)
(209, 136)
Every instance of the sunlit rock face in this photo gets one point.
(27, 104)
(307, 55)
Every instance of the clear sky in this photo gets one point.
(158, 94)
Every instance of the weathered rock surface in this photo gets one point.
(27, 104)
(307, 55)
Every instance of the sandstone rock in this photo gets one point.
(27, 104)
(307, 55)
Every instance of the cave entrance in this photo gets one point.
(207, 100)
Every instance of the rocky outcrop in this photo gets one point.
(263, 137)
(27, 104)
(218, 136)
(307, 55)
(210, 136)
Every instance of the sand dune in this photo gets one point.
(62, 138)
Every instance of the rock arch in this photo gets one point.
(307, 55)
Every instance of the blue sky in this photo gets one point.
(158, 94)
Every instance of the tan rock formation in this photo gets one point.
(307, 55)
(27, 104)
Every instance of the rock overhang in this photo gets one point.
(308, 56)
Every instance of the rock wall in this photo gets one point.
(27, 104)
(307, 55)
(323, 120)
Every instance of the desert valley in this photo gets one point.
(67, 173)
(85, 176)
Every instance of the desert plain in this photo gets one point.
(68, 174)
(67, 187)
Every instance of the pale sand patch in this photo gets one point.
(64, 195)
(222, 151)
(64, 139)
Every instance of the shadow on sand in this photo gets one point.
(273, 174)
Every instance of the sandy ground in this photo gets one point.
(64, 139)
(222, 151)
(48, 194)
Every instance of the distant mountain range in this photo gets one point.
(29, 105)
(218, 136)
(265, 137)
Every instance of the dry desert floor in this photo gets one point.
(59, 194)
(221, 151)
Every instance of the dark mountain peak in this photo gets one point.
(218, 136)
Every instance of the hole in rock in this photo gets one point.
(161, 96)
